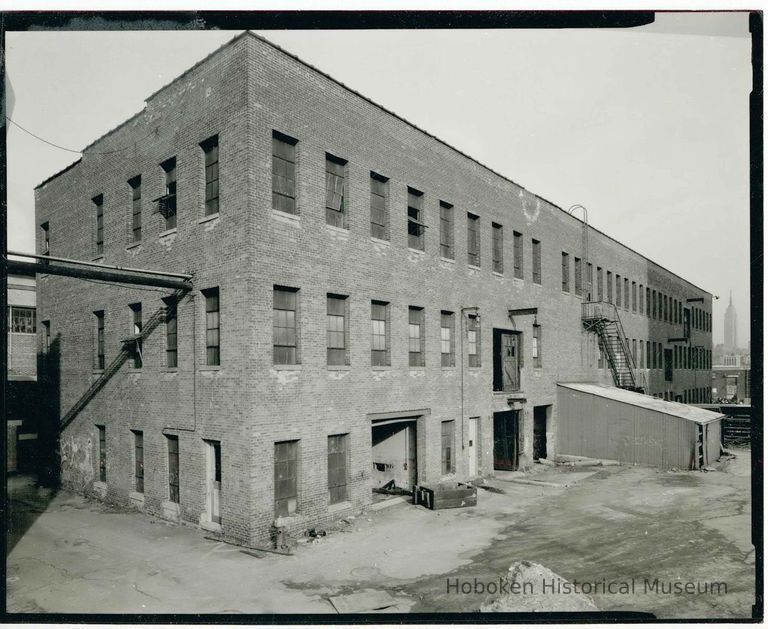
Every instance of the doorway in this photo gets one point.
(507, 354)
(506, 438)
(393, 450)
(540, 432)
(213, 480)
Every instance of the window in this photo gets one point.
(641, 306)
(473, 340)
(379, 206)
(415, 336)
(137, 326)
(46, 337)
(536, 345)
(536, 260)
(447, 350)
(668, 368)
(626, 294)
(599, 284)
(23, 320)
(45, 236)
(648, 356)
(171, 333)
(473, 239)
(415, 225)
(609, 286)
(102, 453)
(577, 288)
(446, 230)
(135, 186)
(654, 311)
(618, 291)
(379, 333)
(497, 235)
(665, 312)
(335, 191)
(286, 477)
(337, 469)
(283, 173)
(634, 352)
(648, 302)
(168, 200)
(211, 163)
(284, 337)
(98, 202)
(565, 272)
(138, 460)
(212, 327)
(517, 241)
(590, 280)
(447, 440)
(173, 467)
(99, 314)
(337, 330)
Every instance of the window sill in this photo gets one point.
(169, 369)
(448, 260)
(381, 367)
(497, 274)
(135, 369)
(296, 367)
(413, 368)
(338, 367)
(168, 232)
(209, 367)
(98, 258)
(474, 267)
(97, 372)
(337, 229)
(477, 368)
(448, 367)
(210, 217)
(339, 506)
(133, 245)
(286, 217)
(379, 241)
(419, 251)
(136, 497)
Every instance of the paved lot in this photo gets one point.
(612, 524)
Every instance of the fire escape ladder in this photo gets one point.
(129, 346)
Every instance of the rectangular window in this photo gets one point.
(634, 351)
(100, 359)
(173, 467)
(654, 311)
(447, 350)
(167, 203)
(46, 337)
(473, 340)
(536, 346)
(102, 453)
(212, 327)
(599, 284)
(337, 469)
(641, 306)
(473, 239)
(283, 173)
(379, 333)
(416, 224)
(138, 460)
(210, 149)
(590, 281)
(98, 202)
(609, 286)
(648, 355)
(566, 272)
(137, 326)
(171, 333)
(45, 236)
(626, 294)
(618, 291)
(536, 260)
(666, 308)
(379, 206)
(648, 302)
(335, 191)
(23, 320)
(286, 478)
(447, 440)
(415, 336)
(446, 230)
(577, 286)
(517, 241)
(337, 330)
(284, 337)
(135, 186)
(497, 235)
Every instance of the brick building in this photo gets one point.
(369, 304)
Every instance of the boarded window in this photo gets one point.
(138, 460)
(447, 439)
(626, 294)
(102, 453)
(536, 260)
(609, 286)
(171, 333)
(286, 478)
(497, 249)
(379, 206)
(337, 330)
(168, 200)
(536, 346)
(211, 154)
(446, 230)
(473, 340)
(100, 358)
(473, 239)
(415, 336)
(641, 304)
(565, 272)
(212, 329)
(517, 241)
(447, 350)
(23, 320)
(173, 467)
(618, 291)
(135, 186)
(335, 191)
(136, 315)
(379, 333)
(416, 224)
(284, 336)
(98, 202)
(599, 284)
(283, 173)
(577, 280)
(634, 297)
(337, 469)
(648, 302)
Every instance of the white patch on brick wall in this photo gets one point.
(448, 265)
(76, 459)
(380, 374)
(338, 234)
(208, 91)
(449, 373)
(417, 373)
(134, 251)
(168, 240)
(284, 376)
(211, 225)
(380, 247)
(169, 375)
(209, 373)
(531, 208)
(258, 105)
(415, 256)
(339, 374)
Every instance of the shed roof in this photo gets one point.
(684, 411)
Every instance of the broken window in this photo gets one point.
(473, 340)
(416, 225)
(102, 453)
(137, 342)
(337, 330)
(447, 439)
(536, 345)
(168, 200)
(446, 230)
(171, 333)
(286, 478)
(45, 236)
(173, 467)
(379, 333)
(536, 260)
(337, 469)
(566, 271)
(284, 335)
(210, 149)
(100, 359)
(23, 320)
(135, 185)
(379, 206)
(497, 249)
(415, 336)
(138, 460)
(98, 202)
(212, 327)
(447, 351)
(473, 239)
(283, 173)
(335, 191)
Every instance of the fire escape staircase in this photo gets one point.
(603, 318)
(130, 346)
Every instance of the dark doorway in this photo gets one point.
(506, 431)
(540, 432)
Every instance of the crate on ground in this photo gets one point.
(449, 495)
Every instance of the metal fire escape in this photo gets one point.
(602, 317)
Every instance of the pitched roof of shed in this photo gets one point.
(684, 411)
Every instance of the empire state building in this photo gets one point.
(731, 337)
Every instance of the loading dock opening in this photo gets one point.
(393, 452)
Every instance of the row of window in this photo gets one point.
(698, 395)
(653, 355)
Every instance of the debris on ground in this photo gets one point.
(529, 594)
(366, 601)
(316, 533)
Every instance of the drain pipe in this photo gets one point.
(461, 337)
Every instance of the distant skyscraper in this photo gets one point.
(731, 337)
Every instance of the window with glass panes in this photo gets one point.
(102, 453)
(626, 294)
(599, 284)
(138, 460)
(446, 230)
(23, 320)
(416, 224)
(212, 331)
(577, 286)
(379, 206)
(211, 158)
(286, 478)
(497, 234)
(98, 202)
(171, 333)
(415, 336)
(618, 290)
(337, 330)
(168, 200)
(473, 239)
(173, 467)
(100, 359)
(283, 173)
(136, 315)
(135, 186)
(447, 440)
(536, 260)
(284, 335)
(565, 272)
(335, 191)
(473, 340)
(609, 286)
(379, 333)
(517, 253)
(536, 345)
(337, 469)
(447, 351)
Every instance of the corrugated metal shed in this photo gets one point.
(610, 423)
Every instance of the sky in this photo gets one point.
(647, 127)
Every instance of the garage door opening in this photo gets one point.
(393, 444)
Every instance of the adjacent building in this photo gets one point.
(370, 305)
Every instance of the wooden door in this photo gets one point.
(506, 430)
(510, 361)
(539, 432)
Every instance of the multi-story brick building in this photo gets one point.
(369, 304)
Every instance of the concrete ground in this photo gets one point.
(611, 524)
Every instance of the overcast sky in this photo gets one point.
(646, 127)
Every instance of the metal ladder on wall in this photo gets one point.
(603, 318)
(129, 346)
